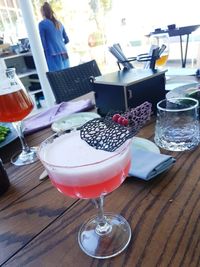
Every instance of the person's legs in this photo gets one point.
(66, 63)
(57, 62)
(54, 63)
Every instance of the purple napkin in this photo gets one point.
(46, 118)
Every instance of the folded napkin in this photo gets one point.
(146, 164)
(44, 119)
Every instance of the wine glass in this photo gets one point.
(15, 105)
(161, 40)
(88, 173)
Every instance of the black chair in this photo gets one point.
(73, 82)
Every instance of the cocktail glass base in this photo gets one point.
(107, 240)
(25, 157)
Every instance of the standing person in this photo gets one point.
(54, 39)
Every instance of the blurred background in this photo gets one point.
(93, 25)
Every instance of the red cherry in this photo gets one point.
(120, 119)
(116, 117)
(125, 122)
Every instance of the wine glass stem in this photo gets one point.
(18, 127)
(103, 226)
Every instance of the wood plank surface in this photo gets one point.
(23, 178)
(29, 216)
(163, 214)
(39, 226)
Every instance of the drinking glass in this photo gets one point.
(15, 105)
(88, 173)
(177, 124)
(161, 40)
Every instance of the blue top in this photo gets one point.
(53, 39)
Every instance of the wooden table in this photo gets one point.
(39, 225)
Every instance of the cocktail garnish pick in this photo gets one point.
(108, 134)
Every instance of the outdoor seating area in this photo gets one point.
(99, 157)
(32, 209)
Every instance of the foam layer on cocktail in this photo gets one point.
(70, 150)
(80, 170)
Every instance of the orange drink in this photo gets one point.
(14, 106)
(162, 60)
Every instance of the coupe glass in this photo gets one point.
(15, 105)
(104, 235)
(161, 40)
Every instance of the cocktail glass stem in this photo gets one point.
(105, 235)
(18, 128)
(28, 154)
(103, 227)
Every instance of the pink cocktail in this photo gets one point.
(79, 170)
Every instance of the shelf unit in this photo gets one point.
(26, 71)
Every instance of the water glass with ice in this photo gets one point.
(177, 124)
